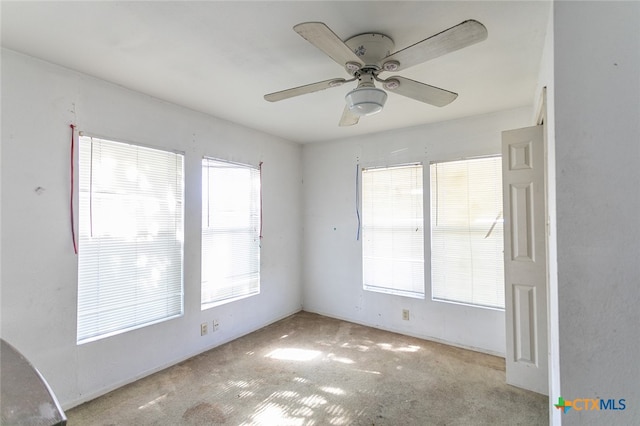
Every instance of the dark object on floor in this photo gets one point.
(25, 396)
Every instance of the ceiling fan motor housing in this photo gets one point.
(371, 48)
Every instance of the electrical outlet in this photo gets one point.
(203, 329)
(405, 314)
(216, 325)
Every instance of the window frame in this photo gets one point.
(87, 235)
(360, 187)
(497, 156)
(207, 303)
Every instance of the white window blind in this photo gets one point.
(230, 232)
(467, 264)
(393, 230)
(131, 237)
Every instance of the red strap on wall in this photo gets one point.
(73, 226)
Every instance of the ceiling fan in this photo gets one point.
(367, 55)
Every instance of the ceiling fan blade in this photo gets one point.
(303, 90)
(321, 36)
(348, 118)
(422, 92)
(459, 36)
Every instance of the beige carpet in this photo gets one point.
(312, 370)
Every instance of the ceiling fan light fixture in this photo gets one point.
(366, 100)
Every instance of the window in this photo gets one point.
(393, 230)
(230, 232)
(131, 232)
(467, 264)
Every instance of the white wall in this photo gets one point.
(546, 80)
(597, 142)
(332, 256)
(39, 268)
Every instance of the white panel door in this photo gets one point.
(525, 258)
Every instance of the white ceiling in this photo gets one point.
(220, 58)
